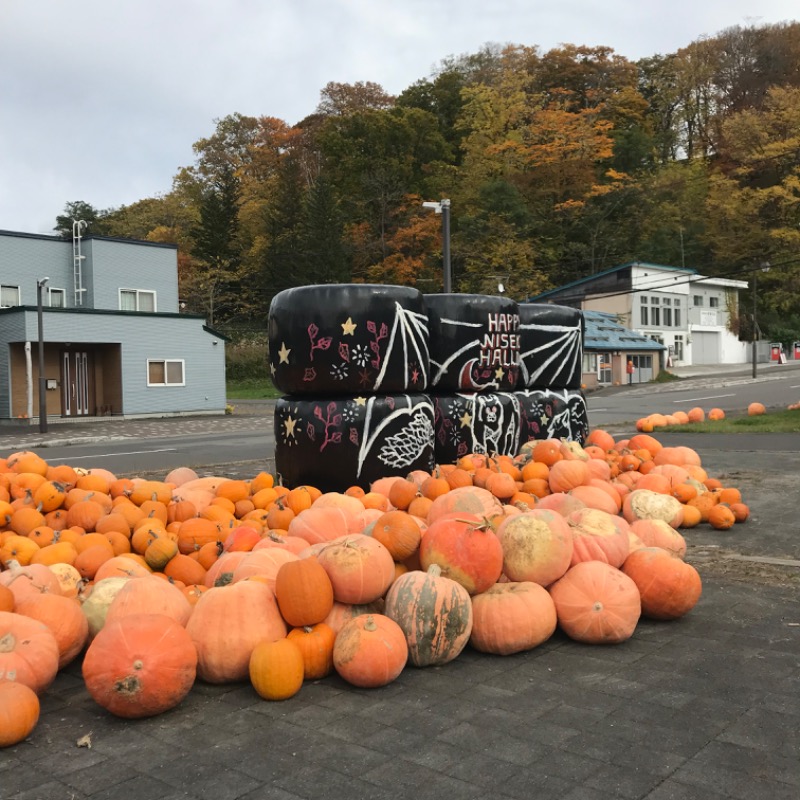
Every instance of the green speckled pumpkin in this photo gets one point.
(435, 614)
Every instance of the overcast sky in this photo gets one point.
(101, 100)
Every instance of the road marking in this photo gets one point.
(697, 399)
(598, 409)
(796, 386)
(110, 455)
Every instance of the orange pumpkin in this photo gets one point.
(596, 603)
(276, 669)
(398, 532)
(140, 665)
(669, 587)
(65, 620)
(19, 712)
(304, 592)
(227, 623)
(370, 651)
(466, 548)
(28, 651)
(598, 536)
(316, 646)
(512, 617)
(360, 568)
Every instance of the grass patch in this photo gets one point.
(771, 422)
(666, 377)
(251, 389)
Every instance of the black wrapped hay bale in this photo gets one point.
(474, 342)
(551, 346)
(479, 422)
(348, 339)
(337, 442)
(553, 414)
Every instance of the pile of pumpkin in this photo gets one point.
(653, 422)
(159, 583)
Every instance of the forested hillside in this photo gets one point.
(558, 164)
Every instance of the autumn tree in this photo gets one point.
(339, 99)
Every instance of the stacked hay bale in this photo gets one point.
(382, 380)
(353, 361)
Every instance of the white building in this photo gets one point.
(694, 316)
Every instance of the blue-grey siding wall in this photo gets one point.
(25, 260)
(109, 265)
(141, 337)
(114, 265)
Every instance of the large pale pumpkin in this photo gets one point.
(140, 665)
(598, 536)
(370, 651)
(669, 587)
(28, 651)
(265, 564)
(466, 548)
(434, 612)
(150, 596)
(646, 504)
(537, 546)
(227, 623)
(360, 568)
(512, 617)
(657, 533)
(95, 605)
(465, 500)
(320, 524)
(596, 603)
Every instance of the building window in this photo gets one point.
(656, 320)
(677, 318)
(644, 315)
(9, 296)
(654, 301)
(713, 302)
(57, 298)
(697, 300)
(137, 300)
(590, 362)
(667, 317)
(679, 348)
(165, 373)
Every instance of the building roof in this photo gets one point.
(603, 332)
(596, 275)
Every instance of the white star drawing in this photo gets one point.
(348, 327)
(283, 354)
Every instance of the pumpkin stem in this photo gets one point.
(435, 570)
(369, 624)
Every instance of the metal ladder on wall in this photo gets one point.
(78, 226)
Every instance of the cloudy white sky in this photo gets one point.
(102, 100)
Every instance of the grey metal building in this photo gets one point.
(115, 342)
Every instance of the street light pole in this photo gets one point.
(755, 302)
(764, 268)
(40, 284)
(443, 208)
